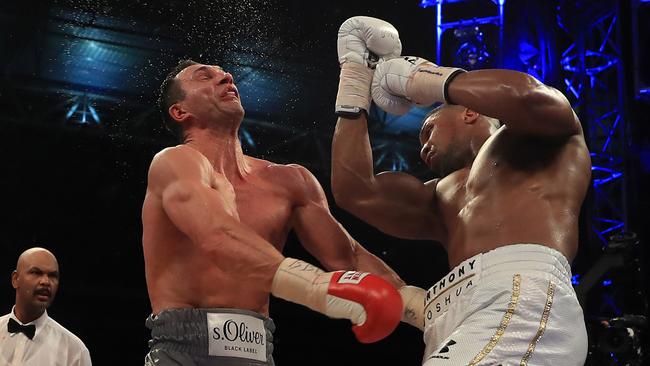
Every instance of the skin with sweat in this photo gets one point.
(215, 220)
(523, 182)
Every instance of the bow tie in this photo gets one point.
(14, 327)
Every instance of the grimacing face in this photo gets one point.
(36, 280)
(210, 92)
(442, 149)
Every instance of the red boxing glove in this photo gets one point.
(380, 300)
(367, 300)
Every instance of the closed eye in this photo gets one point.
(424, 134)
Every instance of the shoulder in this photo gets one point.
(178, 162)
(286, 172)
(305, 185)
(178, 154)
(4, 318)
(298, 175)
(296, 179)
(71, 338)
(301, 173)
(257, 163)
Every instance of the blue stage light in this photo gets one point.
(427, 3)
(81, 109)
(575, 279)
(607, 282)
(247, 138)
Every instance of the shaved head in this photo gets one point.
(36, 281)
(26, 256)
(451, 136)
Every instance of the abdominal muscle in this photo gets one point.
(487, 222)
(195, 282)
(515, 192)
(182, 274)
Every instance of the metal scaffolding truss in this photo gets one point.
(593, 79)
(492, 13)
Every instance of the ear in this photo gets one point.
(14, 279)
(469, 116)
(177, 113)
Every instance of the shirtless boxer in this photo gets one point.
(513, 169)
(214, 224)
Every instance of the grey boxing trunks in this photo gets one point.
(206, 337)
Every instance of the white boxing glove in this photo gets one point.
(362, 43)
(401, 82)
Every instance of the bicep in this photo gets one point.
(518, 100)
(318, 231)
(195, 209)
(549, 114)
(402, 206)
(181, 182)
(324, 237)
(327, 240)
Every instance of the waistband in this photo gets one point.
(520, 258)
(525, 258)
(187, 329)
(496, 266)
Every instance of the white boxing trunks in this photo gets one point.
(513, 305)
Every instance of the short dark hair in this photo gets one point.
(435, 110)
(495, 122)
(170, 93)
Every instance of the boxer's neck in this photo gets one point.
(223, 150)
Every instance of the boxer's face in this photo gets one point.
(444, 149)
(36, 281)
(210, 93)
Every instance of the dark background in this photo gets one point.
(76, 188)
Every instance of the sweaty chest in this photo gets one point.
(507, 172)
(265, 209)
(465, 190)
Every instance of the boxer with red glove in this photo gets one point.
(370, 302)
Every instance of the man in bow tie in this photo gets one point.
(28, 336)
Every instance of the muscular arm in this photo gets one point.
(396, 203)
(518, 100)
(203, 212)
(326, 239)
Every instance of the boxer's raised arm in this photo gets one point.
(520, 101)
(517, 99)
(396, 203)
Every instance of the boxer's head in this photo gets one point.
(198, 94)
(451, 135)
(36, 280)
